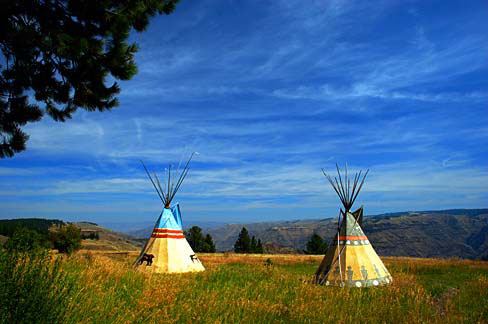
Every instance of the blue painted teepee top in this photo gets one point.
(170, 218)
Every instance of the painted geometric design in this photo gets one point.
(168, 245)
(167, 250)
(167, 233)
(351, 260)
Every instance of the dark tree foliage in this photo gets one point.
(243, 243)
(9, 226)
(210, 244)
(246, 244)
(60, 53)
(316, 245)
(259, 247)
(90, 236)
(198, 242)
(24, 240)
(66, 239)
(254, 245)
(195, 238)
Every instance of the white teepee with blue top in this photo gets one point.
(167, 250)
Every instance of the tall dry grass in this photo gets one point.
(246, 289)
(105, 288)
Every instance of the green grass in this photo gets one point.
(242, 289)
(33, 288)
(438, 280)
(471, 303)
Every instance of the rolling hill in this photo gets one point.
(459, 233)
(449, 233)
(108, 240)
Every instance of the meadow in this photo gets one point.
(103, 288)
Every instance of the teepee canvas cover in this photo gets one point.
(167, 250)
(350, 259)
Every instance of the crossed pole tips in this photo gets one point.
(171, 187)
(342, 186)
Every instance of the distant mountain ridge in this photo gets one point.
(444, 233)
(434, 233)
(459, 233)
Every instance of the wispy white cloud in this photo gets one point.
(26, 172)
(285, 184)
(268, 97)
(329, 93)
(176, 93)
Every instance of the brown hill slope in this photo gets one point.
(450, 233)
(108, 240)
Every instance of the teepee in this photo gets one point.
(167, 250)
(350, 260)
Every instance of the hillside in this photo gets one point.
(449, 233)
(8, 226)
(108, 240)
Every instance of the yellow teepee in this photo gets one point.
(350, 260)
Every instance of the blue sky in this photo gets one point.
(269, 92)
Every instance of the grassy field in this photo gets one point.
(243, 289)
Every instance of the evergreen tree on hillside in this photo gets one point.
(24, 239)
(9, 226)
(254, 244)
(195, 238)
(210, 246)
(316, 245)
(198, 242)
(243, 243)
(259, 247)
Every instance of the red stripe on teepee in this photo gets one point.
(165, 230)
(352, 238)
(168, 236)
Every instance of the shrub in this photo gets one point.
(316, 245)
(66, 239)
(33, 289)
(91, 236)
(24, 239)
